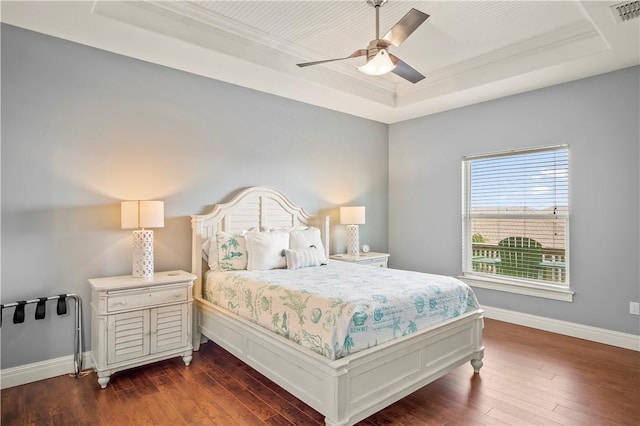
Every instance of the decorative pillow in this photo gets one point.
(232, 251)
(265, 250)
(301, 258)
(310, 237)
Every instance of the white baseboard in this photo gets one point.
(23, 374)
(28, 373)
(595, 334)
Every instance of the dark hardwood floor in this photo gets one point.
(529, 377)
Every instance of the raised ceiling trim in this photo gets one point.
(568, 43)
(617, 47)
(183, 23)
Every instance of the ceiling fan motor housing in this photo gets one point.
(373, 49)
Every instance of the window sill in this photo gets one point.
(547, 291)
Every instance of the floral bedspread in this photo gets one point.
(340, 308)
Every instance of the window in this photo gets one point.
(516, 221)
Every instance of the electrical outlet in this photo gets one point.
(634, 308)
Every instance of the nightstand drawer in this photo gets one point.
(374, 259)
(147, 297)
(382, 263)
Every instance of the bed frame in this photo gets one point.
(346, 390)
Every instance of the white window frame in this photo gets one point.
(530, 287)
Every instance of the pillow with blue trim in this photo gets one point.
(232, 251)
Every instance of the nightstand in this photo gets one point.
(371, 259)
(137, 321)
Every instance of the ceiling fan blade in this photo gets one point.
(405, 71)
(403, 28)
(361, 52)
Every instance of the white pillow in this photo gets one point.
(232, 251)
(300, 239)
(301, 258)
(265, 250)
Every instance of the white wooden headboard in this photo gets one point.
(258, 206)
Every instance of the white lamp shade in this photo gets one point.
(129, 214)
(352, 215)
(141, 214)
(151, 214)
(378, 65)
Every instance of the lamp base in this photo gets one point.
(142, 254)
(353, 240)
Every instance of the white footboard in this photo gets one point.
(350, 389)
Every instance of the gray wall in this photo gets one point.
(83, 129)
(598, 118)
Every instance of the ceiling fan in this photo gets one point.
(379, 60)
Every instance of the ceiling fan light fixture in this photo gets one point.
(379, 60)
(378, 65)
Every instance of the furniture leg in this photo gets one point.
(103, 379)
(477, 364)
(187, 357)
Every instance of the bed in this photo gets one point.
(345, 386)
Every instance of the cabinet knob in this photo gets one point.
(122, 302)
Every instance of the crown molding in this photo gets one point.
(182, 36)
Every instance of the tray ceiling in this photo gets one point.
(470, 51)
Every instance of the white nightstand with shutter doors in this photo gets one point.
(137, 321)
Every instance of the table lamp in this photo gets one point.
(352, 217)
(142, 214)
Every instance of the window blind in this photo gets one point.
(515, 213)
